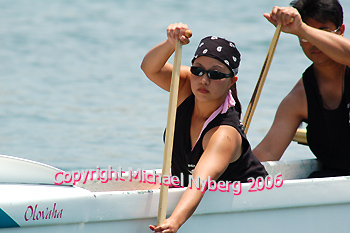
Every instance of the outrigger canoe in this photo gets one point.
(31, 201)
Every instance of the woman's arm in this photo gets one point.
(155, 64)
(335, 46)
(222, 145)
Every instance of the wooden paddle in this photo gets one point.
(300, 137)
(170, 128)
(259, 85)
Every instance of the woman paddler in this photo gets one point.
(209, 141)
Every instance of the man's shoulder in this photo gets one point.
(298, 92)
(295, 102)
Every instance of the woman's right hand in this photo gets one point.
(159, 71)
(176, 32)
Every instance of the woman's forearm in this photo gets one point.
(155, 64)
(186, 206)
(156, 58)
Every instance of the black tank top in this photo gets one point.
(328, 131)
(184, 159)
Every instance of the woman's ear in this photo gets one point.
(234, 80)
(342, 29)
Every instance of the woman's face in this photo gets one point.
(206, 89)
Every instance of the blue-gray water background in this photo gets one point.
(72, 93)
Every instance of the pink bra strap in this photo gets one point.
(229, 102)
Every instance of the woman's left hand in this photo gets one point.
(168, 226)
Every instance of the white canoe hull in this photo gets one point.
(300, 205)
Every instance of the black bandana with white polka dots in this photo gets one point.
(221, 49)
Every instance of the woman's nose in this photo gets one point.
(204, 79)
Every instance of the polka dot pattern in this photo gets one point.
(221, 49)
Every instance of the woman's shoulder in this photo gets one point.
(227, 123)
(231, 118)
(185, 85)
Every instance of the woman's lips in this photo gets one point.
(202, 90)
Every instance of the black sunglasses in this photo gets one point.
(212, 74)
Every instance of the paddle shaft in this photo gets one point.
(259, 85)
(169, 136)
(300, 137)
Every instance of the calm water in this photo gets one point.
(72, 94)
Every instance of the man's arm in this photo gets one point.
(290, 113)
(334, 45)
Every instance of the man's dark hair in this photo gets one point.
(320, 10)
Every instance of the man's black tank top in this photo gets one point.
(184, 159)
(328, 131)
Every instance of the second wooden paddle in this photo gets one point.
(259, 85)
